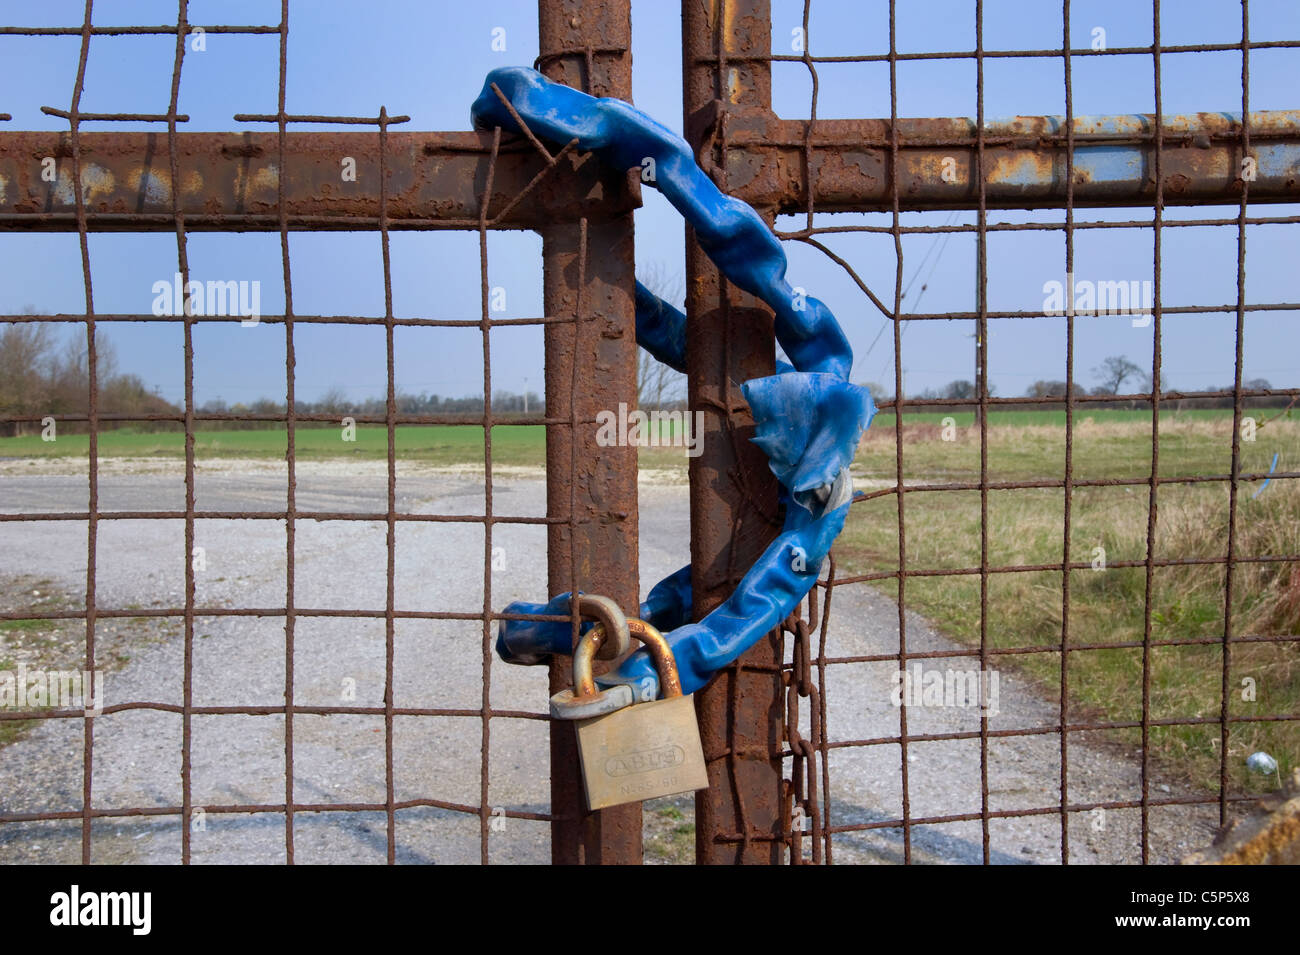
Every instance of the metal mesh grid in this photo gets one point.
(282, 222)
(807, 754)
(809, 786)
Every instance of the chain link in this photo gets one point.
(802, 807)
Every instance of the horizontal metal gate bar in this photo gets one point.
(1024, 160)
(230, 182)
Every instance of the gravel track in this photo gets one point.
(438, 566)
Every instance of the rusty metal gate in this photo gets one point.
(780, 797)
(281, 181)
(764, 719)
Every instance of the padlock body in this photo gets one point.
(641, 752)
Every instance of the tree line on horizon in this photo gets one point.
(43, 374)
(1115, 373)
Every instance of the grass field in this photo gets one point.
(1025, 525)
(998, 418)
(1107, 606)
(1028, 444)
(1105, 445)
(436, 444)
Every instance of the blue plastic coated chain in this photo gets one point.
(809, 418)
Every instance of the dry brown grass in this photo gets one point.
(1187, 601)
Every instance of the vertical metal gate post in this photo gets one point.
(733, 492)
(590, 366)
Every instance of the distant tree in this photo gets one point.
(1113, 372)
(958, 390)
(263, 406)
(1051, 389)
(334, 401)
(25, 365)
(44, 374)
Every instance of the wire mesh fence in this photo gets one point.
(1139, 712)
(238, 182)
(1056, 564)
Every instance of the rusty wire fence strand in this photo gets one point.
(898, 421)
(390, 409)
(1152, 504)
(1017, 54)
(485, 737)
(1041, 226)
(291, 458)
(164, 30)
(981, 373)
(1226, 308)
(1063, 711)
(937, 403)
(183, 263)
(279, 320)
(1224, 689)
(92, 378)
(1053, 729)
(575, 623)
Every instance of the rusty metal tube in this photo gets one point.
(1024, 165)
(588, 272)
(230, 182)
(733, 492)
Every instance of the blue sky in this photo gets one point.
(427, 60)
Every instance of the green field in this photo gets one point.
(438, 445)
(435, 444)
(1028, 443)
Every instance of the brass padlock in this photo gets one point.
(631, 749)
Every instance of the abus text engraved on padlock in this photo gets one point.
(632, 750)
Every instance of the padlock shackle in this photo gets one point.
(610, 614)
(670, 684)
(584, 681)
